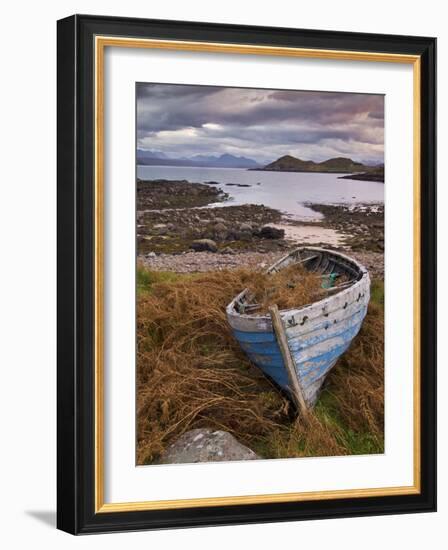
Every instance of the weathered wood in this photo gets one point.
(296, 388)
(335, 307)
(288, 260)
(317, 334)
(338, 287)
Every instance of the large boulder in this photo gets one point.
(220, 232)
(206, 445)
(219, 227)
(269, 232)
(204, 245)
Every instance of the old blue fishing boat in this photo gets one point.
(314, 335)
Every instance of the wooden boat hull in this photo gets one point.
(317, 334)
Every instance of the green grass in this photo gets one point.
(146, 279)
(327, 409)
(356, 443)
(377, 292)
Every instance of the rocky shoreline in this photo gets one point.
(202, 262)
(183, 221)
(362, 225)
(178, 230)
(168, 194)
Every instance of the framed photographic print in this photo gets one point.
(246, 274)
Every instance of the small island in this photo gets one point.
(337, 165)
(288, 163)
(373, 174)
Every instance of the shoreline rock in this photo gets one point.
(165, 194)
(206, 445)
(204, 245)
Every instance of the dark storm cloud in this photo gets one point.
(174, 90)
(264, 124)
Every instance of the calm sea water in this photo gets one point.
(285, 191)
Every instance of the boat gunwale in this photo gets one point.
(231, 309)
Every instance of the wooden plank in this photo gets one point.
(296, 388)
(335, 307)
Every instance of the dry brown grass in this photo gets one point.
(191, 373)
(349, 416)
(290, 287)
(357, 381)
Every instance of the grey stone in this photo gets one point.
(220, 232)
(206, 245)
(245, 236)
(246, 227)
(269, 232)
(220, 227)
(206, 445)
(196, 232)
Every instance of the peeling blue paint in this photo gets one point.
(312, 364)
(320, 333)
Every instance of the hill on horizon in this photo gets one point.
(288, 163)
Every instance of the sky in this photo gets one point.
(187, 120)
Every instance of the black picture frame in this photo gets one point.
(76, 269)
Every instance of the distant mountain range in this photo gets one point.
(340, 165)
(157, 158)
(286, 163)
